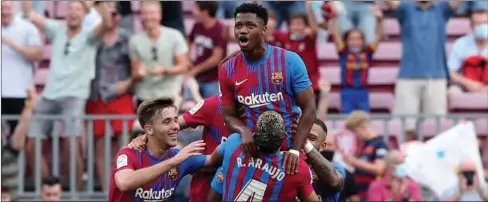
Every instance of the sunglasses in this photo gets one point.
(155, 54)
(66, 48)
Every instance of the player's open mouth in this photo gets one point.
(243, 41)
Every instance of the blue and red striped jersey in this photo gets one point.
(355, 67)
(370, 151)
(243, 178)
(269, 84)
(161, 189)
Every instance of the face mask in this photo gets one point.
(481, 32)
(401, 171)
(469, 175)
(355, 49)
(295, 37)
(329, 155)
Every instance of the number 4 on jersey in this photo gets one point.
(253, 191)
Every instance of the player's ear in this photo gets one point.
(149, 129)
(265, 27)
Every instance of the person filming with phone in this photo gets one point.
(470, 188)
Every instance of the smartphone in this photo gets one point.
(469, 175)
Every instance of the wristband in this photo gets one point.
(295, 152)
(308, 147)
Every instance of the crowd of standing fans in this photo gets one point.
(100, 64)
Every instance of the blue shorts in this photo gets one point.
(354, 99)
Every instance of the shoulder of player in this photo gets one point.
(127, 151)
(230, 59)
(234, 138)
(205, 107)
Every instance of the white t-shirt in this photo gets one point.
(17, 71)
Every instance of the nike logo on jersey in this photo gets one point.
(239, 83)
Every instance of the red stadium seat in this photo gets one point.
(482, 127)
(429, 127)
(337, 125)
(188, 6)
(458, 27)
(383, 76)
(50, 8)
(40, 76)
(331, 75)
(334, 101)
(381, 101)
(61, 9)
(469, 102)
(136, 6)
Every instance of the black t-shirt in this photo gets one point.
(350, 187)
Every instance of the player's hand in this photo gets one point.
(193, 149)
(291, 162)
(138, 143)
(248, 143)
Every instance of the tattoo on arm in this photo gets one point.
(325, 171)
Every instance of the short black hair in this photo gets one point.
(255, 8)
(209, 6)
(321, 124)
(51, 181)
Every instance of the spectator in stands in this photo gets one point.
(93, 17)
(355, 57)
(358, 15)
(423, 69)
(110, 92)
(395, 185)
(369, 164)
(468, 61)
(469, 187)
(173, 15)
(70, 73)
(159, 56)
(208, 40)
(226, 9)
(328, 149)
(301, 38)
(51, 189)
(12, 146)
(285, 9)
(127, 17)
(21, 48)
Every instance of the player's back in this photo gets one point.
(260, 179)
(269, 84)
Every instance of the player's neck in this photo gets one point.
(157, 149)
(256, 54)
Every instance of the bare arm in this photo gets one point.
(232, 120)
(312, 29)
(181, 66)
(20, 132)
(128, 179)
(379, 27)
(215, 159)
(211, 62)
(37, 20)
(325, 171)
(375, 168)
(310, 198)
(336, 35)
(31, 53)
(182, 123)
(213, 196)
(107, 21)
(307, 105)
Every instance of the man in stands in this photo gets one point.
(51, 189)
(71, 70)
(21, 48)
(369, 163)
(469, 188)
(261, 78)
(154, 173)
(208, 37)
(207, 113)
(468, 61)
(261, 178)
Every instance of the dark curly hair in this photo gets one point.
(255, 8)
(270, 132)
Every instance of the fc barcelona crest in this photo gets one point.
(220, 177)
(173, 174)
(277, 77)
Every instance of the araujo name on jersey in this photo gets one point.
(156, 195)
(273, 171)
(257, 100)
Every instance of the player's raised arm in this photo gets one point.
(325, 170)
(302, 87)
(231, 117)
(128, 179)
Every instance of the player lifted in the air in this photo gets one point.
(261, 78)
(154, 173)
(244, 178)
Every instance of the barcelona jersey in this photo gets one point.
(269, 84)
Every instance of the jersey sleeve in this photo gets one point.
(200, 113)
(218, 181)
(225, 86)
(193, 164)
(126, 159)
(341, 170)
(381, 150)
(299, 77)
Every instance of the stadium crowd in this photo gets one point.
(107, 58)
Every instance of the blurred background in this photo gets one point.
(417, 69)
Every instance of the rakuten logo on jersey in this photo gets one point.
(154, 195)
(254, 100)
